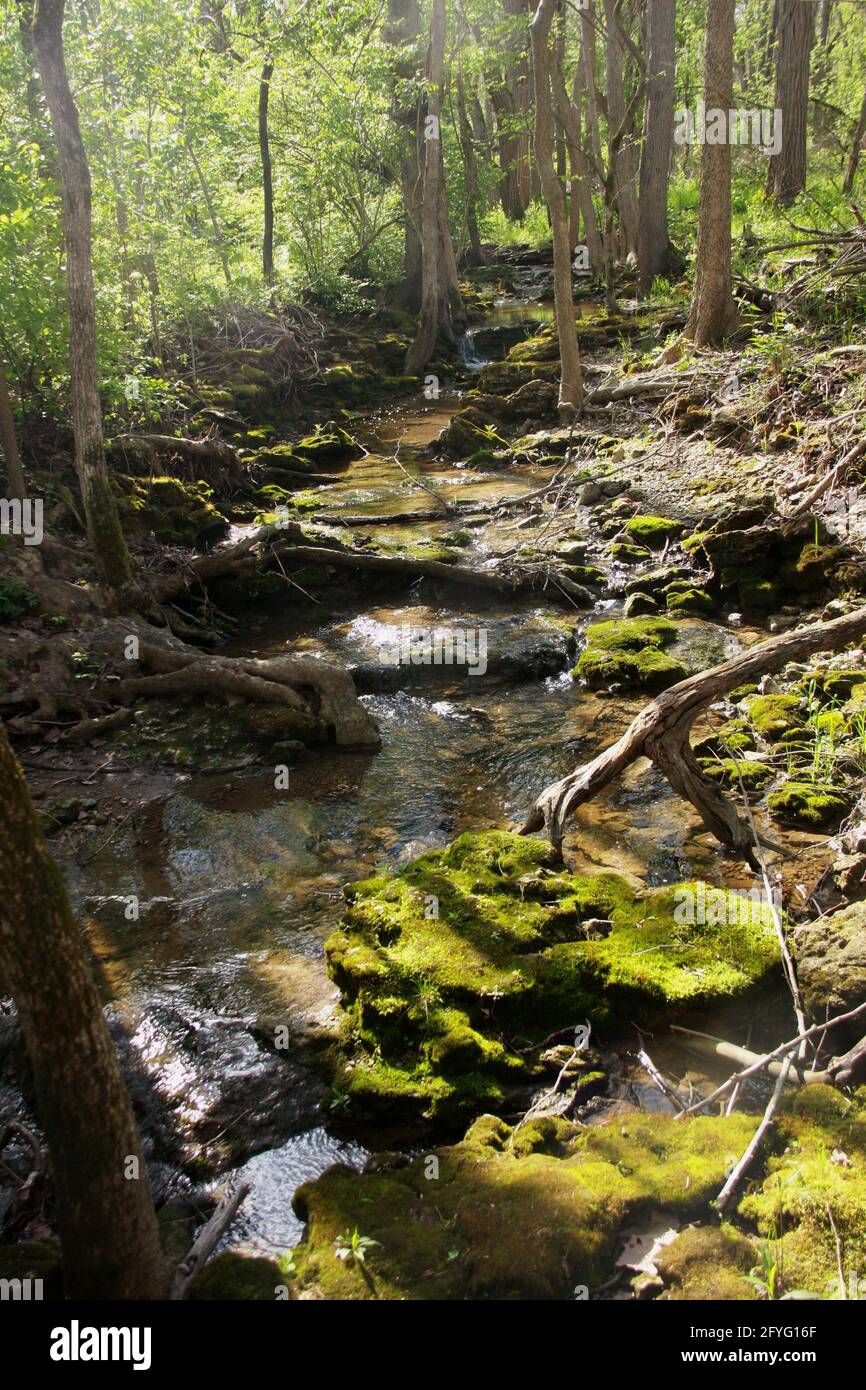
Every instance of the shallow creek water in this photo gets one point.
(240, 884)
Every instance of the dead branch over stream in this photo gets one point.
(661, 732)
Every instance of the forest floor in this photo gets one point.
(662, 520)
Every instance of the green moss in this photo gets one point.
(638, 605)
(696, 602)
(653, 531)
(529, 1214)
(441, 962)
(809, 804)
(34, 1259)
(734, 772)
(775, 715)
(627, 652)
(758, 594)
(173, 511)
(235, 1277)
(706, 1262)
(817, 1170)
(629, 554)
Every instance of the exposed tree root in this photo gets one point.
(661, 732)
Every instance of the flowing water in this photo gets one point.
(238, 884)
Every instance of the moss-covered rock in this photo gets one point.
(34, 1260)
(234, 1277)
(443, 963)
(737, 772)
(776, 715)
(831, 966)
(809, 804)
(628, 653)
(175, 512)
(629, 554)
(638, 605)
(531, 1214)
(653, 531)
(694, 602)
(817, 1172)
(706, 1262)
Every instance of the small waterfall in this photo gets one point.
(469, 353)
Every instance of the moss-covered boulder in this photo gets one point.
(628, 653)
(446, 963)
(809, 804)
(328, 445)
(831, 966)
(690, 601)
(775, 715)
(536, 1213)
(815, 1191)
(653, 531)
(175, 512)
(235, 1277)
(707, 1262)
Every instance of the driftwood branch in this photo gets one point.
(661, 732)
(205, 1242)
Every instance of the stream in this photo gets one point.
(239, 884)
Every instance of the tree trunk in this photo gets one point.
(470, 171)
(15, 484)
(435, 316)
(211, 211)
(571, 384)
(106, 536)
(403, 31)
(108, 1229)
(786, 177)
(653, 241)
(267, 174)
(856, 149)
(624, 158)
(713, 311)
(580, 200)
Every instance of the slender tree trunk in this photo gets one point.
(856, 149)
(403, 32)
(571, 383)
(713, 311)
(653, 241)
(624, 159)
(100, 508)
(108, 1229)
(211, 211)
(605, 176)
(434, 316)
(580, 202)
(786, 176)
(470, 172)
(267, 174)
(15, 484)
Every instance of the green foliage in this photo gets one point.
(15, 599)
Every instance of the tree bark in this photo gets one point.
(713, 311)
(786, 177)
(434, 318)
(100, 508)
(15, 484)
(570, 383)
(267, 174)
(661, 732)
(653, 241)
(856, 149)
(403, 31)
(470, 170)
(624, 158)
(108, 1229)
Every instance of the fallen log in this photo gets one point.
(661, 732)
(527, 578)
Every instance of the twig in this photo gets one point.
(206, 1240)
(724, 1198)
